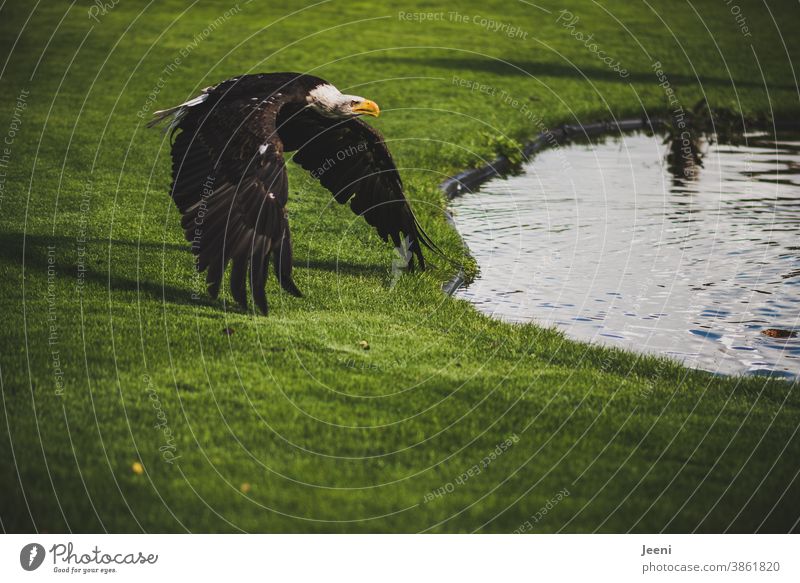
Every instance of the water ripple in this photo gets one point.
(603, 242)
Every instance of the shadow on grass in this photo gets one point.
(36, 258)
(346, 267)
(472, 65)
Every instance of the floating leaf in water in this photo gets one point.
(778, 333)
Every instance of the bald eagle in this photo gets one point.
(229, 178)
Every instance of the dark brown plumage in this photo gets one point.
(229, 179)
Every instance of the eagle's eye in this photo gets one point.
(353, 103)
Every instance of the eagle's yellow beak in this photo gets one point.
(367, 107)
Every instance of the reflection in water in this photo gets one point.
(606, 243)
(684, 157)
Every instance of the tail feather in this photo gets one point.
(162, 114)
(178, 112)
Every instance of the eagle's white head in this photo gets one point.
(327, 100)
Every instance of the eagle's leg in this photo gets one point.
(282, 260)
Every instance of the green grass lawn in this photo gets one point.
(285, 423)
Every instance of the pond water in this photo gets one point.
(615, 243)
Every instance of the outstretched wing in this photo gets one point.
(229, 183)
(350, 159)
